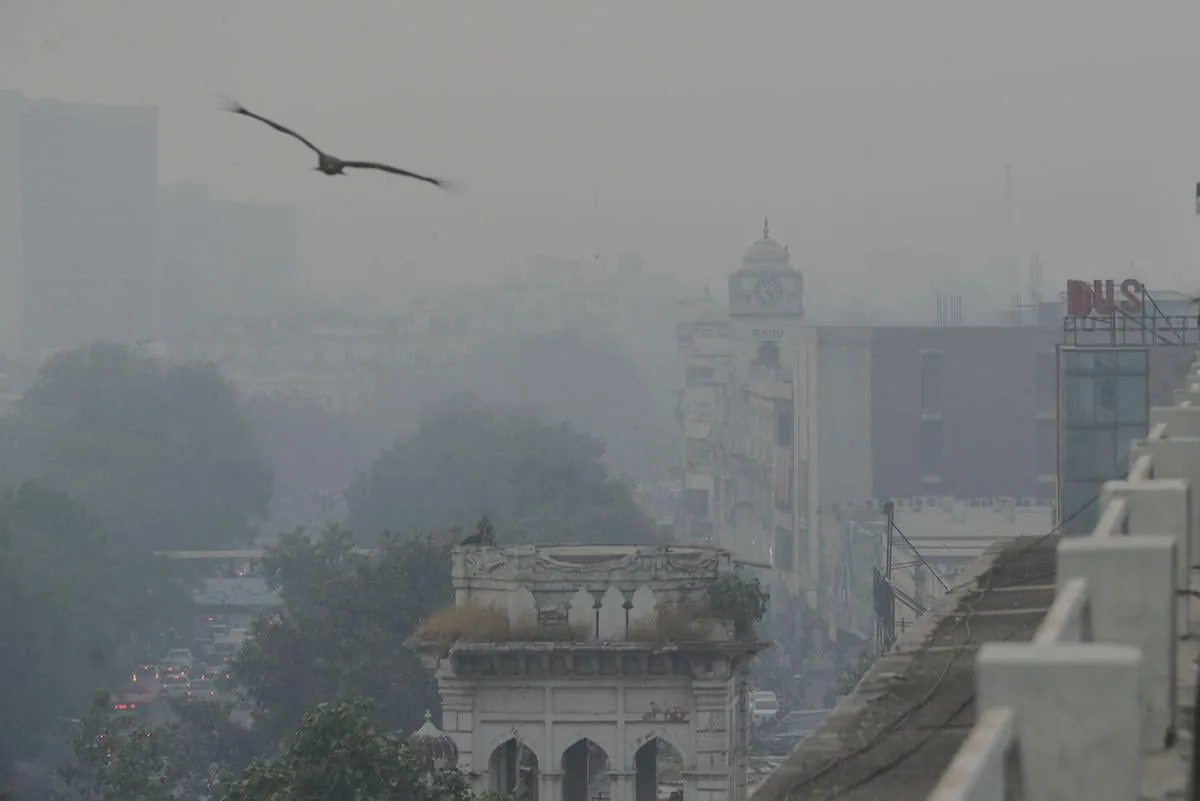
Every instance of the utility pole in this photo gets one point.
(885, 596)
(889, 509)
(1011, 263)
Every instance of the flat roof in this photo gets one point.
(897, 732)
(251, 553)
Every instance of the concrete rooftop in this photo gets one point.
(895, 734)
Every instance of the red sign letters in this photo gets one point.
(1100, 297)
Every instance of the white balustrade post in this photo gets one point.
(977, 772)
(1161, 506)
(1078, 725)
(1190, 392)
(1182, 420)
(1131, 601)
(1176, 457)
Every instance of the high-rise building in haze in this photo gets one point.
(89, 186)
(184, 243)
(220, 259)
(11, 263)
(254, 269)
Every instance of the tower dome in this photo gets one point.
(766, 255)
(432, 747)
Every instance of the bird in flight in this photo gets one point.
(332, 165)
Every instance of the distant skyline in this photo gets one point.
(858, 128)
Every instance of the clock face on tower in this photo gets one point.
(769, 290)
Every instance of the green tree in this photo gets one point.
(115, 758)
(537, 482)
(337, 753)
(159, 452)
(596, 384)
(342, 634)
(71, 607)
(312, 455)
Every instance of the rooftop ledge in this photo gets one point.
(690, 647)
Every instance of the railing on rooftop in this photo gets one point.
(1095, 690)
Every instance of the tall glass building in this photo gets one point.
(1103, 405)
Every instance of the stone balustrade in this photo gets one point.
(1081, 706)
(601, 591)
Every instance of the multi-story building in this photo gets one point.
(786, 422)
(183, 243)
(89, 185)
(255, 270)
(12, 265)
(219, 260)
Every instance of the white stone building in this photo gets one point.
(584, 690)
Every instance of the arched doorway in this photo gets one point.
(585, 773)
(514, 770)
(658, 767)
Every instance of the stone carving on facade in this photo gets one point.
(483, 562)
(544, 564)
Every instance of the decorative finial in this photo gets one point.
(428, 716)
(766, 228)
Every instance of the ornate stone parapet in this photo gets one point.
(590, 592)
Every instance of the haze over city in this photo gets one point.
(798, 400)
(857, 128)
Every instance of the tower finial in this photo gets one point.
(766, 228)
(428, 716)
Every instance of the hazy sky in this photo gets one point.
(857, 126)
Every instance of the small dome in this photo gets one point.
(767, 255)
(432, 747)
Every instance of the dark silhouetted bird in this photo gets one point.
(332, 165)
(485, 534)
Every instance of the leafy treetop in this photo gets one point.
(739, 601)
(347, 616)
(158, 452)
(337, 753)
(536, 482)
(71, 605)
(114, 758)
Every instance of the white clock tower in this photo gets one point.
(766, 296)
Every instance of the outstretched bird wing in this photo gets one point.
(374, 165)
(238, 108)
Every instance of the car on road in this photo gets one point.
(132, 698)
(145, 674)
(764, 708)
(175, 685)
(201, 689)
(180, 656)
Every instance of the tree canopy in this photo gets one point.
(115, 758)
(159, 452)
(338, 753)
(312, 455)
(597, 385)
(537, 482)
(594, 382)
(72, 607)
(342, 634)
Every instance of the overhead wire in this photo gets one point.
(961, 621)
(921, 557)
(922, 741)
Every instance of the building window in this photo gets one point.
(785, 549)
(1046, 447)
(931, 448)
(695, 503)
(784, 423)
(697, 375)
(931, 381)
(1046, 386)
